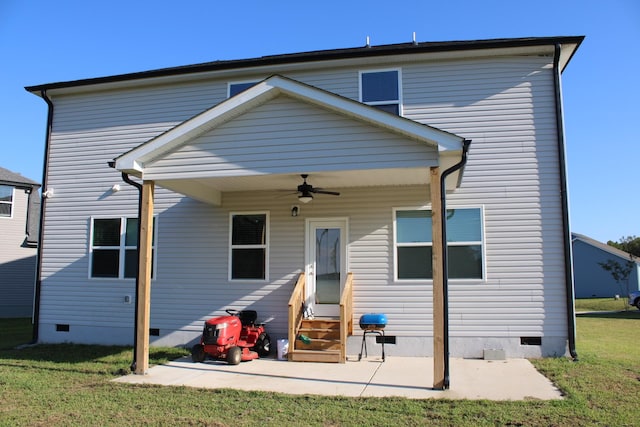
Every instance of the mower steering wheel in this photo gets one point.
(232, 312)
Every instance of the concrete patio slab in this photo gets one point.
(409, 377)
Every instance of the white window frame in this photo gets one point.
(123, 247)
(374, 103)
(482, 244)
(264, 246)
(11, 203)
(240, 82)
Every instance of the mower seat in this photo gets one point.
(248, 317)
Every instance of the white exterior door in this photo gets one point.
(326, 264)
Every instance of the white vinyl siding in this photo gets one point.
(504, 105)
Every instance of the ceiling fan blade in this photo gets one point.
(321, 191)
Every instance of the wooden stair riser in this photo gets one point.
(318, 345)
(325, 341)
(324, 334)
(320, 324)
(326, 356)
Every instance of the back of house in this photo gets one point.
(317, 165)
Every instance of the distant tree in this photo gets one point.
(629, 244)
(620, 273)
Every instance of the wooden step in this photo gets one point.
(327, 334)
(318, 344)
(324, 333)
(325, 356)
(320, 323)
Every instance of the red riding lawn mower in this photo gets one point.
(235, 338)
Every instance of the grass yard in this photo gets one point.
(70, 385)
(603, 304)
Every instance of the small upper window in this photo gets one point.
(6, 200)
(236, 88)
(381, 89)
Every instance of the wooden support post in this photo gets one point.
(143, 298)
(438, 280)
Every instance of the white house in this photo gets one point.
(19, 220)
(215, 154)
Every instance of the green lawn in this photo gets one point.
(603, 304)
(70, 385)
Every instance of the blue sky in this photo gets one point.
(50, 41)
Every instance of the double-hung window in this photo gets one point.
(414, 244)
(249, 246)
(114, 248)
(6, 201)
(236, 88)
(381, 89)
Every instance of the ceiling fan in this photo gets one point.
(306, 190)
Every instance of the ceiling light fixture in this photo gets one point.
(305, 197)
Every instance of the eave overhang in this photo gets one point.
(275, 64)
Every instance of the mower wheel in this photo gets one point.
(263, 345)
(234, 355)
(197, 353)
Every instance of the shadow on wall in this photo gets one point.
(17, 287)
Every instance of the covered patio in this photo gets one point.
(204, 158)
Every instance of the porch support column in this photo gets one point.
(143, 297)
(438, 280)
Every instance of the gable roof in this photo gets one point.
(8, 177)
(603, 246)
(134, 160)
(569, 44)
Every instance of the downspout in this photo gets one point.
(43, 205)
(125, 178)
(568, 264)
(445, 268)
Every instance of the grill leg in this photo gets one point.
(363, 346)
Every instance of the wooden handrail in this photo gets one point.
(295, 312)
(346, 316)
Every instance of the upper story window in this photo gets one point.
(381, 89)
(413, 241)
(236, 88)
(114, 248)
(248, 246)
(6, 201)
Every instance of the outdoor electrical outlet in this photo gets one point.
(127, 299)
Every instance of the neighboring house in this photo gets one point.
(219, 149)
(19, 222)
(591, 280)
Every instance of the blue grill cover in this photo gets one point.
(373, 321)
